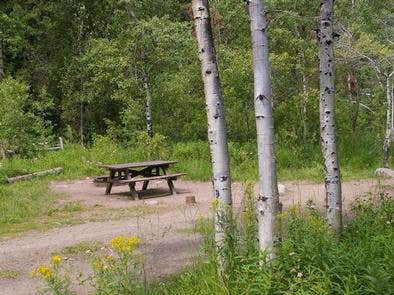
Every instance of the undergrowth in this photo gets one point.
(311, 260)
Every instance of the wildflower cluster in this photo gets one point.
(44, 271)
(124, 244)
(215, 203)
(56, 260)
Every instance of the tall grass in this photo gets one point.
(311, 260)
(358, 159)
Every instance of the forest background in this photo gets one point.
(83, 69)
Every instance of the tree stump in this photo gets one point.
(190, 200)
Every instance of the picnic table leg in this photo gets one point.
(109, 183)
(133, 191)
(171, 186)
(169, 181)
(145, 185)
(148, 174)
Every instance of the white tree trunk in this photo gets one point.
(216, 126)
(327, 117)
(148, 106)
(268, 200)
(1, 62)
(389, 123)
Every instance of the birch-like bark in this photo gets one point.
(216, 127)
(1, 62)
(268, 199)
(389, 122)
(148, 106)
(327, 117)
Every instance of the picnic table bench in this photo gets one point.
(131, 173)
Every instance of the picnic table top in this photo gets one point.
(138, 164)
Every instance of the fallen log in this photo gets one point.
(56, 170)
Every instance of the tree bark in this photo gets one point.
(148, 106)
(216, 127)
(268, 199)
(327, 117)
(389, 123)
(1, 62)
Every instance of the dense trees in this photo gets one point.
(90, 51)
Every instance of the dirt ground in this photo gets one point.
(167, 241)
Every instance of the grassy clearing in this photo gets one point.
(30, 205)
(294, 162)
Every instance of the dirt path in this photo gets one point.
(166, 243)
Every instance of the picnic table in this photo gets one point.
(131, 173)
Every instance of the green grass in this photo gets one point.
(311, 261)
(293, 162)
(23, 204)
(86, 248)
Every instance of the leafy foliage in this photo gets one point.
(21, 127)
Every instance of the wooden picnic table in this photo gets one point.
(131, 173)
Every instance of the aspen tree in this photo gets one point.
(216, 127)
(327, 117)
(268, 199)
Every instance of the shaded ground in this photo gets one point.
(166, 242)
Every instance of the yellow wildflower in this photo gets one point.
(124, 244)
(44, 271)
(215, 203)
(56, 259)
(109, 258)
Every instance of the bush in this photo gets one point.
(21, 129)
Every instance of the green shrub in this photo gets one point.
(21, 128)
